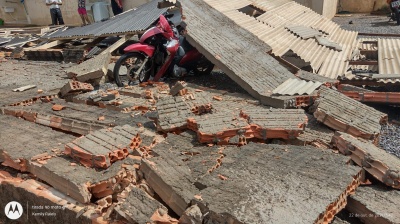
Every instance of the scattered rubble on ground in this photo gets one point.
(265, 142)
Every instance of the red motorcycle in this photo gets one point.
(162, 51)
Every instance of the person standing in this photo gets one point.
(116, 6)
(55, 11)
(82, 12)
(395, 10)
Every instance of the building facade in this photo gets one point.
(37, 13)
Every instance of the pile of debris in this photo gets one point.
(178, 152)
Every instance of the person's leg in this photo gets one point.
(396, 12)
(82, 16)
(83, 19)
(60, 18)
(114, 7)
(53, 17)
(87, 18)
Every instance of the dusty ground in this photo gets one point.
(47, 76)
(368, 23)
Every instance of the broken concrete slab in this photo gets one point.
(75, 86)
(80, 183)
(139, 207)
(275, 123)
(169, 177)
(312, 193)
(70, 180)
(91, 69)
(172, 114)
(347, 115)
(36, 195)
(232, 172)
(101, 148)
(375, 204)
(315, 134)
(218, 128)
(75, 118)
(382, 165)
(21, 140)
(224, 41)
(177, 87)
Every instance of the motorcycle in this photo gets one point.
(162, 51)
(395, 15)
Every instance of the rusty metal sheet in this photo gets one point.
(296, 87)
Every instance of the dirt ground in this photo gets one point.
(366, 23)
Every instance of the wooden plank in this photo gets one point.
(363, 62)
(49, 45)
(116, 45)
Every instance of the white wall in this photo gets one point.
(326, 8)
(39, 13)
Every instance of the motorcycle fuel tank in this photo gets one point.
(149, 33)
(146, 49)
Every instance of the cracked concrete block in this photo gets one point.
(31, 192)
(177, 87)
(380, 164)
(139, 207)
(21, 140)
(170, 178)
(347, 115)
(271, 177)
(75, 86)
(91, 69)
(375, 204)
(258, 74)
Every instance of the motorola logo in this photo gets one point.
(13, 210)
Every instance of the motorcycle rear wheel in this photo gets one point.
(127, 65)
(203, 67)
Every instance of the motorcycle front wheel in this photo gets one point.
(126, 67)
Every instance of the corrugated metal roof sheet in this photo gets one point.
(20, 40)
(368, 44)
(353, 77)
(222, 42)
(308, 76)
(223, 6)
(5, 39)
(296, 87)
(389, 56)
(270, 28)
(268, 5)
(303, 31)
(131, 21)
